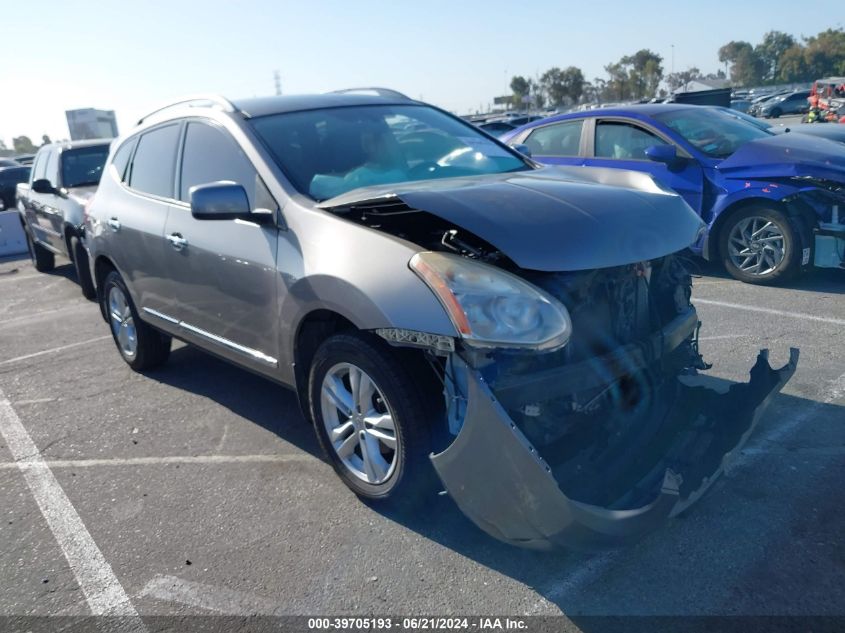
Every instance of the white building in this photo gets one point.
(91, 123)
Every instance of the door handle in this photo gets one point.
(177, 241)
(114, 224)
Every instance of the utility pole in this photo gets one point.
(277, 80)
(673, 58)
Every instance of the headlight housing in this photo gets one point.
(493, 308)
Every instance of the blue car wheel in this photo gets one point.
(759, 246)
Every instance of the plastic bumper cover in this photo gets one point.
(502, 483)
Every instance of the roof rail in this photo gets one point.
(195, 101)
(381, 92)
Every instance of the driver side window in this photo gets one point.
(623, 141)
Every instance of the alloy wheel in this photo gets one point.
(359, 423)
(122, 323)
(756, 245)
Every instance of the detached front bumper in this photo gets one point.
(503, 483)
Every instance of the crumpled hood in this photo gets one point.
(553, 218)
(785, 156)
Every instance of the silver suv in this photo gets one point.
(439, 302)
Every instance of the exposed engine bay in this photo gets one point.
(598, 441)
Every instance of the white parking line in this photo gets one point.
(43, 315)
(209, 597)
(53, 350)
(784, 313)
(172, 459)
(102, 590)
(10, 276)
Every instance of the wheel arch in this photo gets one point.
(711, 248)
(70, 231)
(314, 328)
(320, 324)
(102, 267)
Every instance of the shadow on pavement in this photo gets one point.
(564, 577)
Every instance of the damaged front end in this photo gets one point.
(596, 443)
(576, 413)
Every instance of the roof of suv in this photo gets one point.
(76, 144)
(262, 106)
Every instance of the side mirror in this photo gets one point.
(224, 200)
(662, 154)
(42, 185)
(522, 149)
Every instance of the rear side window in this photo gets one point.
(154, 161)
(615, 139)
(210, 154)
(82, 167)
(557, 139)
(121, 159)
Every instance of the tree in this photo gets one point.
(45, 140)
(618, 86)
(793, 65)
(747, 69)
(825, 54)
(679, 80)
(770, 51)
(520, 86)
(23, 145)
(562, 86)
(645, 71)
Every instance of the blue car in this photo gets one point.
(774, 204)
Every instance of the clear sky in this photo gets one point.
(132, 56)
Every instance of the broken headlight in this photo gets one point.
(493, 308)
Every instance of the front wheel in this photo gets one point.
(141, 346)
(759, 246)
(370, 418)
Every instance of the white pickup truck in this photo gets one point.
(52, 204)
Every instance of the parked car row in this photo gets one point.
(778, 104)
(445, 307)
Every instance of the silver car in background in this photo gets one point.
(441, 305)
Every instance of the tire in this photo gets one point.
(43, 260)
(402, 477)
(764, 259)
(141, 346)
(83, 270)
(775, 114)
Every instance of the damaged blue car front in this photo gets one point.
(774, 205)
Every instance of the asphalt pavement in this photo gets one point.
(202, 490)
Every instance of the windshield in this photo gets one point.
(83, 166)
(714, 133)
(328, 152)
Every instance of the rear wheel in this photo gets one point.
(759, 246)
(141, 346)
(83, 270)
(43, 260)
(370, 418)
